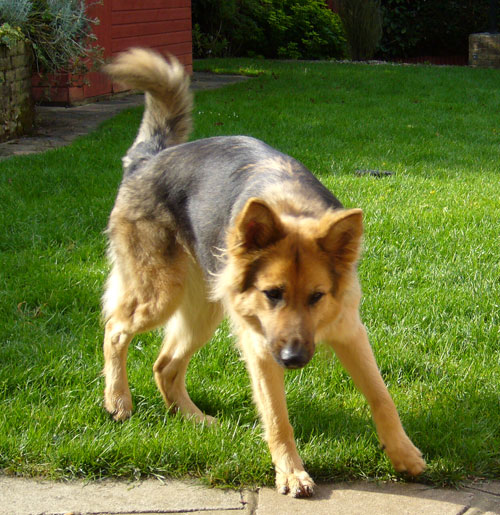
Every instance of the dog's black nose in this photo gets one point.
(294, 354)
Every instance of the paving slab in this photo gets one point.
(57, 126)
(20, 496)
(486, 497)
(362, 498)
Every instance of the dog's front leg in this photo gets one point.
(355, 354)
(269, 395)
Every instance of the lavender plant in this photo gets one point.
(60, 32)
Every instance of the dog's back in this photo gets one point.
(203, 184)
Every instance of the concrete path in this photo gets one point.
(59, 126)
(30, 497)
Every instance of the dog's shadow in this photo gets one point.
(313, 419)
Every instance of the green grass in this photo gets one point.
(430, 274)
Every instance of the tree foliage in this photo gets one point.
(271, 28)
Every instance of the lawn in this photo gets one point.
(430, 275)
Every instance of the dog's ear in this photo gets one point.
(341, 237)
(258, 226)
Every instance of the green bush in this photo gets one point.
(295, 29)
(223, 28)
(9, 36)
(60, 32)
(419, 27)
(314, 31)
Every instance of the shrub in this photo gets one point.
(9, 36)
(271, 28)
(60, 32)
(362, 21)
(311, 31)
(15, 12)
(224, 27)
(419, 27)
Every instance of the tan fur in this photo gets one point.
(167, 95)
(277, 242)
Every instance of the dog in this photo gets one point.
(229, 225)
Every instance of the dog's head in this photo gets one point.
(287, 274)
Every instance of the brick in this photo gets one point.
(16, 87)
(4, 62)
(13, 52)
(10, 75)
(23, 73)
(20, 61)
(20, 48)
(24, 98)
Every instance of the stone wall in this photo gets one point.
(484, 50)
(16, 105)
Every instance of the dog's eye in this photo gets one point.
(315, 297)
(274, 295)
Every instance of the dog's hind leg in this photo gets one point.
(144, 288)
(117, 398)
(188, 330)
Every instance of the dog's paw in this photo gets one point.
(405, 457)
(298, 484)
(206, 420)
(119, 407)
(209, 421)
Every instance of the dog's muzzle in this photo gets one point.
(294, 354)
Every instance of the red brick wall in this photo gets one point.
(164, 25)
(161, 24)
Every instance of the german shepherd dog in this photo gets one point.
(230, 225)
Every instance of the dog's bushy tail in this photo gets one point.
(168, 100)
